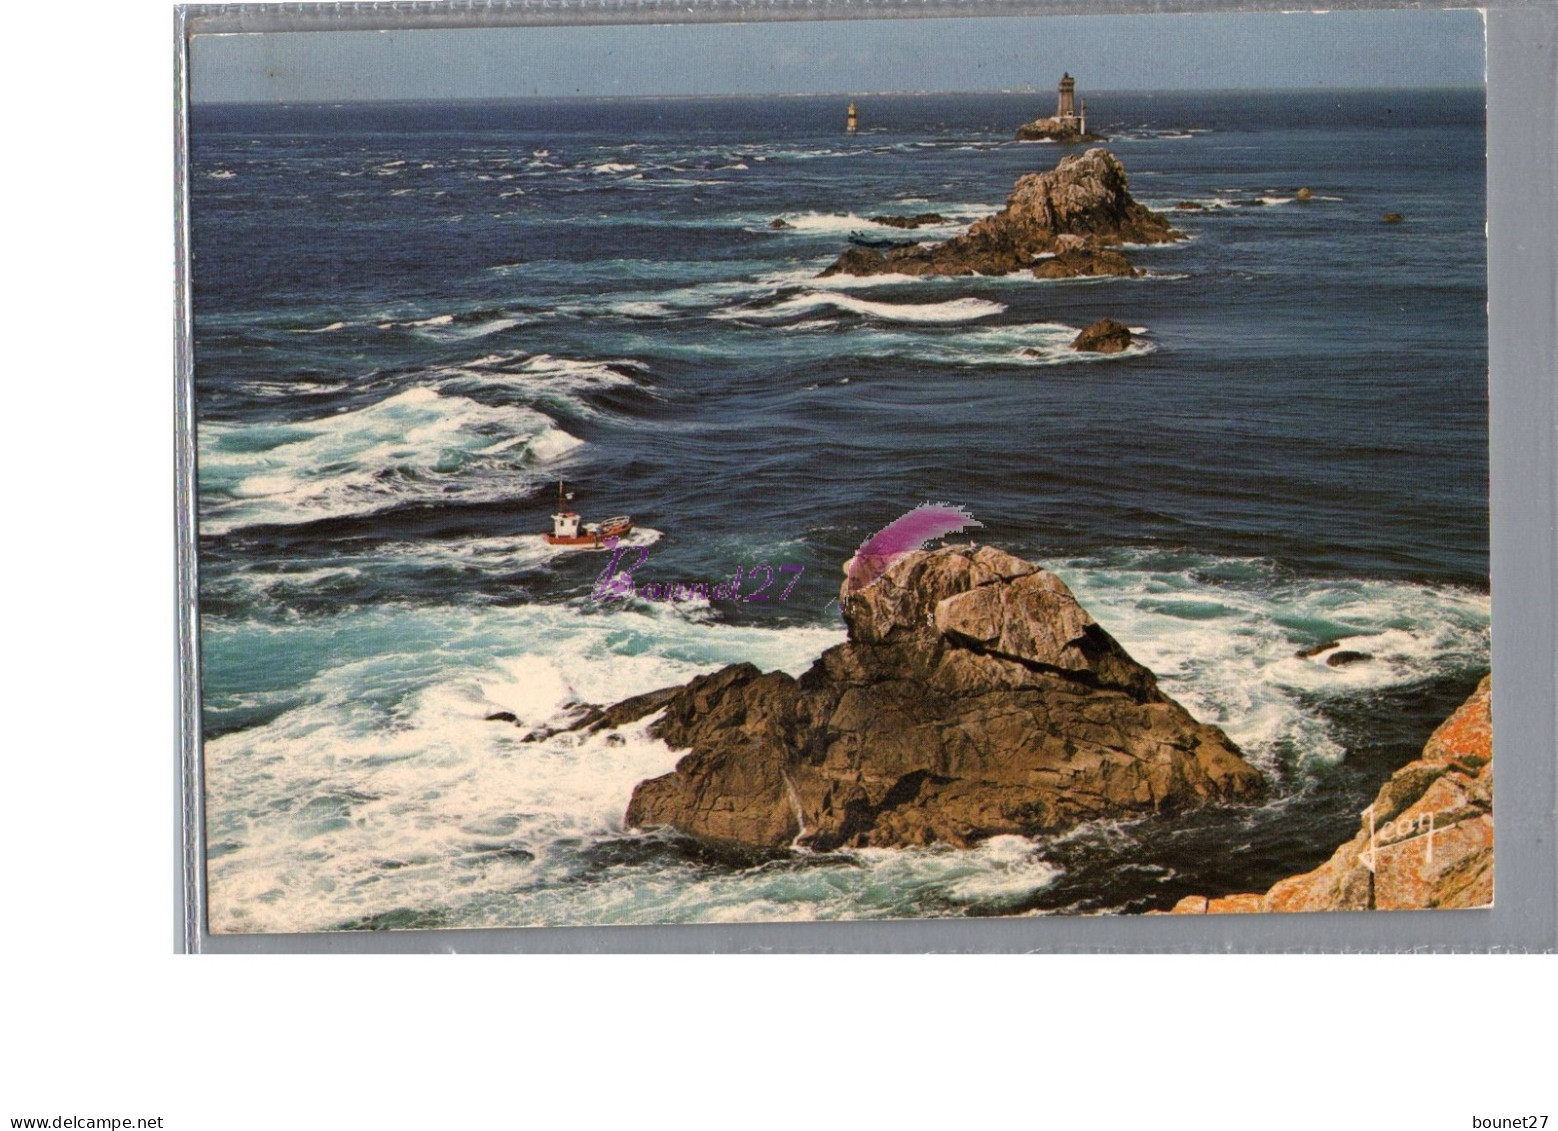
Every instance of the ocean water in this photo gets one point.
(412, 320)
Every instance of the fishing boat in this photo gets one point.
(568, 529)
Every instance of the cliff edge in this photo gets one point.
(1425, 842)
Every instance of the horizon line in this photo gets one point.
(750, 96)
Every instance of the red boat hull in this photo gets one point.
(596, 540)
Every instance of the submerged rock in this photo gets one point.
(1104, 336)
(1426, 841)
(1346, 659)
(1305, 195)
(974, 697)
(1392, 218)
(1086, 196)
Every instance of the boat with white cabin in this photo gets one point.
(569, 529)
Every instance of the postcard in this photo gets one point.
(841, 470)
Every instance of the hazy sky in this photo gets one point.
(1149, 52)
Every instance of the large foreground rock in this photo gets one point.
(974, 697)
(1086, 196)
(1426, 841)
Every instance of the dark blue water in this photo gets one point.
(411, 320)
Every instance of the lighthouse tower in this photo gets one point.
(1068, 98)
(853, 122)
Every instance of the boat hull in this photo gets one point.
(591, 541)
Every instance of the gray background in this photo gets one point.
(1523, 317)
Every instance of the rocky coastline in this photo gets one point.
(974, 697)
(1058, 223)
(1425, 842)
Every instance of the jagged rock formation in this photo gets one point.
(974, 697)
(1087, 196)
(1426, 841)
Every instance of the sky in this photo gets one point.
(1203, 51)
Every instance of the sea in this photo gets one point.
(412, 321)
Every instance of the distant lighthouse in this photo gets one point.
(852, 124)
(1068, 126)
(1068, 95)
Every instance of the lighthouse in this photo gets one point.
(1068, 126)
(852, 123)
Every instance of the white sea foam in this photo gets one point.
(482, 329)
(436, 320)
(1223, 637)
(294, 388)
(844, 222)
(1026, 344)
(953, 310)
(542, 374)
(402, 792)
(641, 309)
(416, 445)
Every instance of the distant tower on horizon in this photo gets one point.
(853, 121)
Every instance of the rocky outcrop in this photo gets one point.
(919, 220)
(1087, 196)
(1104, 336)
(1425, 842)
(1062, 130)
(1075, 257)
(973, 697)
